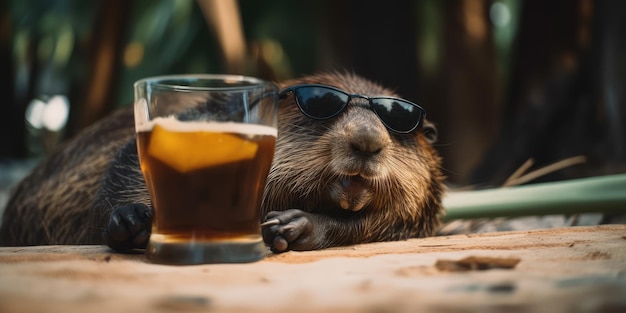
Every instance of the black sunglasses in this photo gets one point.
(323, 102)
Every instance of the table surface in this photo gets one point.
(576, 269)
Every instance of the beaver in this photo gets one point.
(346, 179)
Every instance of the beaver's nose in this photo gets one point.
(367, 140)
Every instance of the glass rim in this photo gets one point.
(251, 82)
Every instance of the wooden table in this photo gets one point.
(580, 269)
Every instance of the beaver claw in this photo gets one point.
(128, 228)
(290, 230)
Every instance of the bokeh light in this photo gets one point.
(500, 14)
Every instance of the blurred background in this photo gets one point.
(506, 81)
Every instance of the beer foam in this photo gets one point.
(172, 124)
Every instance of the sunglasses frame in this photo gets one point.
(293, 89)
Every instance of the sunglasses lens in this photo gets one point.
(400, 116)
(320, 102)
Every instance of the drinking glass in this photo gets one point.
(205, 144)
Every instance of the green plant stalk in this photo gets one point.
(602, 194)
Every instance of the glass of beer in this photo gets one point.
(205, 144)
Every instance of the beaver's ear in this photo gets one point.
(430, 131)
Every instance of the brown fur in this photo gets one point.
(68, 198)
(52, 205)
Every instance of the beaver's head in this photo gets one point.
(354, 158)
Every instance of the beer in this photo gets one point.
(206, 180)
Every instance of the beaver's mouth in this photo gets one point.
(353, 184)
(351, 192)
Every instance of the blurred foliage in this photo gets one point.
(487, 71)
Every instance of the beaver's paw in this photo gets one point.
(291, 230)
(129, 227)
